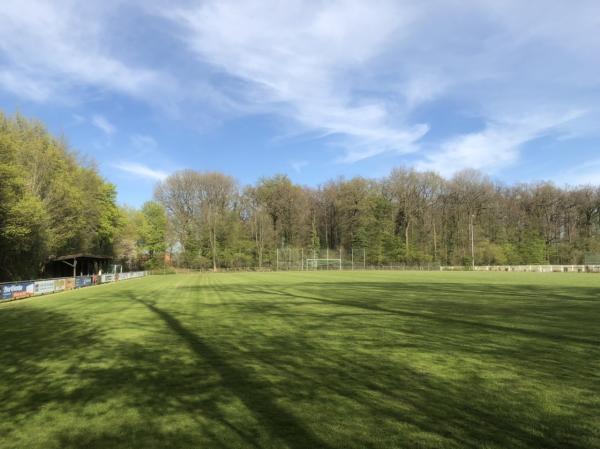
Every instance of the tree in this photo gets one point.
(52, 202)
(127, 247)
(286, 205)
(197, 204)
(153, 232)
(217, 193)
(258, 221)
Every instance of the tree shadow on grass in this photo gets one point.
(47, 385)
(39, 370)
(296, 386)
(464, 413)
(30, 339)
(536, 330)
(494, 326)
(254, 394)
(458, 302)
(402, 406)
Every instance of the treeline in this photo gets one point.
(409, 217)
(53, 203)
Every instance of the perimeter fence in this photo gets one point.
(399, 267)
(10, 291)
(299, 268)
(528, 268)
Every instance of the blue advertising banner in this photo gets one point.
(17, 290)
(83, 281)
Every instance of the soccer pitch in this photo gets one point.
(306, 360)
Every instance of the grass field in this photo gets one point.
(306, 360)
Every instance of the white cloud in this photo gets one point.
(299, 60)
(495, 147)
(354, 72)
(143, 141)
(103, 124)
(142, 171)
(582, 174)
(358, 74)
(78, 119)
(54, 47)
(298, 165)
(423, 88)
(23, 85)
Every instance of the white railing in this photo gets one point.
(528, 268)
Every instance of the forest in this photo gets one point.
(407, 218)
(54, 202)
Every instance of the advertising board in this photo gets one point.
(69, 283)
(17, 290)
(59, 285)
(108, 278)
(83, 281)
(43, 287)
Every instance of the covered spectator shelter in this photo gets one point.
(77, 264)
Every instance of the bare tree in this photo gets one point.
(197, 203)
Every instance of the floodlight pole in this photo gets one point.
(472, 243)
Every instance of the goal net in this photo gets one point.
(324, 264)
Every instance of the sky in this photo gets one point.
(314, 89)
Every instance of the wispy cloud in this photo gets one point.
(78, 119)
(25, 86)
(300, 61)
(298, 165)
(365, 77)
(494, 147)
(54, 47)
(581, 174)
(103, 124)
(143, 141)
(354, 73)
(142, 171)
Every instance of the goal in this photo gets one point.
(323, 264)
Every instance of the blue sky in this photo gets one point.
(313, 89)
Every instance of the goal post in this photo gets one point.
(324, 264)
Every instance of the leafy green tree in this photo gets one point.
(532, 249)
(153, 232)
(51, 201)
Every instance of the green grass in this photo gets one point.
(306, 360)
